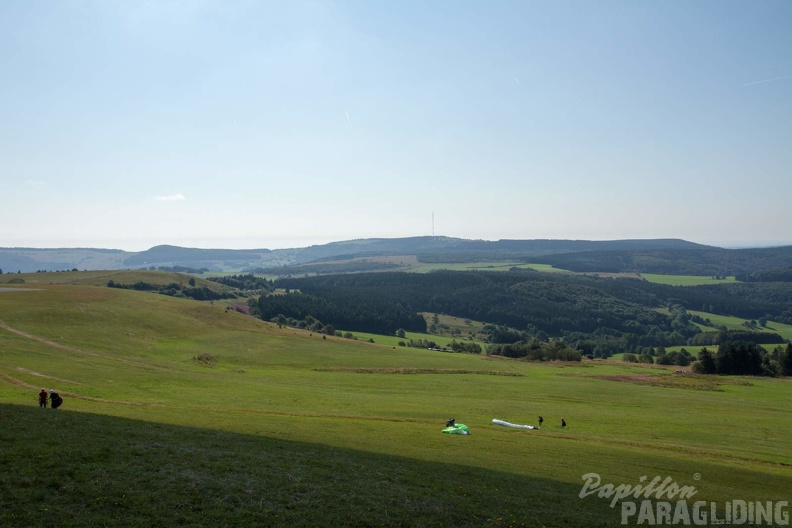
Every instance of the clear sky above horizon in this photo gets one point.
(253, 124)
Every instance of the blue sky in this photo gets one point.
(259, 124)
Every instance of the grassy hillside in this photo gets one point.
(101, 278)
(179, 412)
(735, 323)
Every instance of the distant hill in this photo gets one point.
(443, 246)
(649, 256)
(33, 259)
(197, 258)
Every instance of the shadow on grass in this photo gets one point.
(61, 468)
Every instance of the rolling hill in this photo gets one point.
(443, 249)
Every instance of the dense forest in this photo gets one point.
(351, 310)
(745, 358)
(598, 316)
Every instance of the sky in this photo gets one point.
(255, 124)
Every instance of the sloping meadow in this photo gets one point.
(178, 412)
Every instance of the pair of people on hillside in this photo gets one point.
(54, 399)
(541, 421)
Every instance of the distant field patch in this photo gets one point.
(541, 267)
(737, 323)
(463, 266)
(441, 341)
(483, 266)
(684, 280)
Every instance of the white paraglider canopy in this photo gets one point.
(516, 426)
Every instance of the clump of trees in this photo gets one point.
(467, 348)
(716, 338)
(535, 350)
(174, 289)
(745, 358)
(659, 356)
(419, 343)
(247, 282)
(309, 322)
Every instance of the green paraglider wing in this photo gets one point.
(460, 429)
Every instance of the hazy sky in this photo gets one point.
(258, 124)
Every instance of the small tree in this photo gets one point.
(400, 333)
(707, 361)
(786, 361)
(664, 359)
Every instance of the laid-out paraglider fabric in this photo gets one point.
(516, 426)
(460, 429)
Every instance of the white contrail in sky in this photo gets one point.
(768, 80)
(348, 121)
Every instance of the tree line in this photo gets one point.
(745, 358)
(174, 289)
(248, 282)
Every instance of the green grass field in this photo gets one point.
(182, 413)
(684, 280)
(671, 280)
(735, 323)
(482, 266)
(392, 341)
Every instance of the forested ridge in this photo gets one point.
(702, 261)
(612, 314)
(519, 297)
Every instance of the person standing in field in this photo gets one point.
(563, 423)
(43, 398)
(541, 421)
(55, 399)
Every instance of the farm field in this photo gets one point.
(483, 266)
(736, 323)
(421, 267)
(684, 280)
(446, 325)
(670, 280)
(178, 412)
(392, 341)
